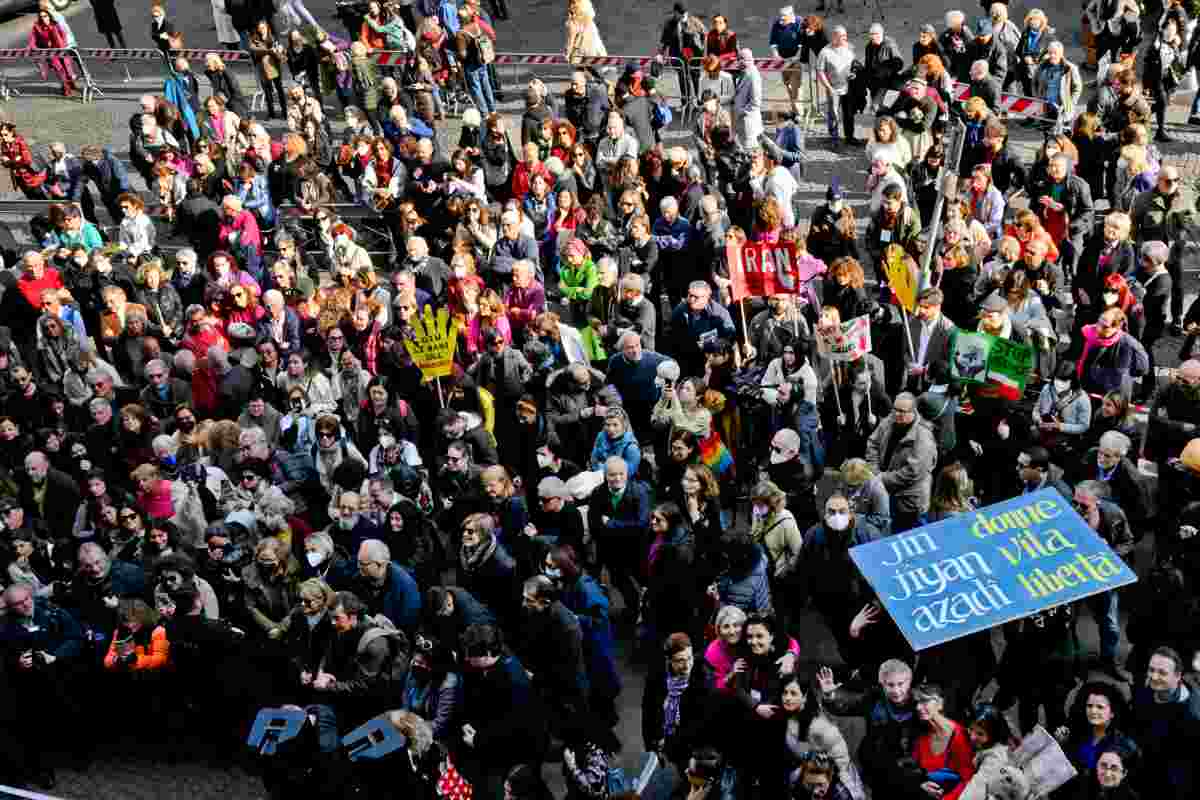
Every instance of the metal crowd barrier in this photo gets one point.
(34, 55)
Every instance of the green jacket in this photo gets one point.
(578, 283)
(366, 82)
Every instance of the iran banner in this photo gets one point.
(767, 268)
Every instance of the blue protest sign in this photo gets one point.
(974, 571)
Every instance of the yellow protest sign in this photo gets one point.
(432, 349)
(902, 276)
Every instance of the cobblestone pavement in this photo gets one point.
(627, 28)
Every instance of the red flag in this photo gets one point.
(763, 269)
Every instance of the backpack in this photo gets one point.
(662, 115)
(397, 668)
(485, 49)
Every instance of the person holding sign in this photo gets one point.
(931, 335)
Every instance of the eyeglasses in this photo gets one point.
(335, 338)
(156, 375)
(326, 435)
(127, 517)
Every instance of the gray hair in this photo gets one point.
(272, 296)
(983, 65)
(186, 253)
(1097, 489)
(156, 363)
(98, 402)
(696, 286)
(1115, 440)
(730, 615)
(1156, 251)
(633, 281)
(165, 443)
(953, 17)
(323, 542)
(668, 202)
(375, 550)
(254, 434)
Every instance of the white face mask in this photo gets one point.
(313, 558)
(1062, 386)
(836, 206)
(460, 272)
(347, 521)
(544, 461)
(838, 521)
(779, 458)
(1110, 298)
(1002, 431)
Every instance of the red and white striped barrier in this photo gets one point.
(394, 58)
(1013, 103)
(154, 54)
(33, 54)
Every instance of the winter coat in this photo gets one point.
(624, 446)
(749, 592)
(493, 582)
(1102, 369)
(908, 477)
(508, 718)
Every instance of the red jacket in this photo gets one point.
(16, 156)
(32, 288)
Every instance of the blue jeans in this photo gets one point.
(327, 730)
(1104, 611)
(480, 86)
(1195, 106)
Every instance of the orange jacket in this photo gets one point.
(152, 658)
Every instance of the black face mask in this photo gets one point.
(186, 425)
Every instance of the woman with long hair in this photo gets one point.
(953, 493)
(583, 37)
(1094, 724)
(810, 736)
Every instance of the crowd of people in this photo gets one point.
(227, 485)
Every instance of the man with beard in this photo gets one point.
(387, 588)
(895, 223)
(502, 721)
(95, 591)
(550, 645)
(774, 328)
(349, 527)
(48, 495)
(903, 453)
